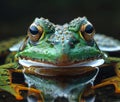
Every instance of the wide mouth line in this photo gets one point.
(92, 63)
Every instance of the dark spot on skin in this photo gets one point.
(71, 44)
(73, 41)
(52, 45)
(4, 74)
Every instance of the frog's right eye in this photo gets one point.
(35, 33)
(33, 30)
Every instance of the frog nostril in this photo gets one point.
(61, 99)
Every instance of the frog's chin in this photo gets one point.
(92, 63)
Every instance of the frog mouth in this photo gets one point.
(92, 63)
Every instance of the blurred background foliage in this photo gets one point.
(17, 15)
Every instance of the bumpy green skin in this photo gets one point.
(5, 77)
(61, 41)
(59, 45)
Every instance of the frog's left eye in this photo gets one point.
(35, 33)
(87, 31)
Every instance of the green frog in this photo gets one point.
(58, 61)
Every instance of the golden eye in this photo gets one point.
(87, 31)
(35, 33)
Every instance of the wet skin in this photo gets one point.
(57, 61)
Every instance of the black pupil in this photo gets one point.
(33, 30)
(89, 29)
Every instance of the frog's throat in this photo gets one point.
(92, 63)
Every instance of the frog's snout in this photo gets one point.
(63, 59)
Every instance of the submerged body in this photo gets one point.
(58, 62)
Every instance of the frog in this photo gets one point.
(58, 61)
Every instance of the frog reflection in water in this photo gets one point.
(58, 62)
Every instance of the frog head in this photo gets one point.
(51, 45)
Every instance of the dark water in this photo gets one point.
(16, 16)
